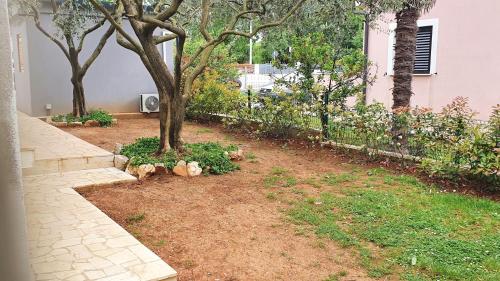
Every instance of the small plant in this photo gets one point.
(279, 178)
(204, 131)
(103, 117)
(135, 218)
(250, 156)
(210, 156)
(271, 196)
(335, 179)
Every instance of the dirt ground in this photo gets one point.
(224, 227)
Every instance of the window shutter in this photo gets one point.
(423, 53)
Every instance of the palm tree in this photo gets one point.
(404, 59)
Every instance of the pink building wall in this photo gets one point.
(468, 58)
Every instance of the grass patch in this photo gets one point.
(312, 182)
(204, 131)
(250, 156)
(424, 235)
(335, 179)
(135, 218)
(271, 196)
(279, 177)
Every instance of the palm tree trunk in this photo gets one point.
(404, 60)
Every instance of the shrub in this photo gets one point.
(212, 157)
(65, 118)
(283, 115)
(213, 96)
(103, 117)
(143, 150)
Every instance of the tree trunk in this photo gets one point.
(165, 120)
(79, 104)
(404, 60)
(166, 91)
(324, 116)
(177, 112)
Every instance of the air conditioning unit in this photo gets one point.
(150, 103)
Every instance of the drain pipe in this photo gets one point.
(14, 262)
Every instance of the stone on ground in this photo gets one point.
(118, 148)
(160, 168)
(121, 162)
(145, 170)
(236, 155)
(132, 170)
(181, 169)
(75, 124)
(193, 169)
(91, 123)
(59, 124)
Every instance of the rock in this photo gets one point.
(132, 170)
(145, 170)
(160, 168)
(121, 162)
(75, 124)
(118, 148)
(181, 169)
(59, 124)
(236, 155)
(193, 169)
(114, 121)
(91, 123)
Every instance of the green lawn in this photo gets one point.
(401, 226)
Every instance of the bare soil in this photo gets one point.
(225, 227)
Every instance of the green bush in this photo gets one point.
(65, 118)
(103, 117)
(210, 156)
(213, 96)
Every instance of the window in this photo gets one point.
(426, 52)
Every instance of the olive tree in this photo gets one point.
(74, 21)
(174, 17)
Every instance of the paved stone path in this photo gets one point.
(56, 150)
(71, 239)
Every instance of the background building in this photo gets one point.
(457, 55)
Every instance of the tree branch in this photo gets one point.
(164, 38)
(168, 13)
(230, 30)
(36, 18)
(98, 49)
(88, 31)
(118, 26)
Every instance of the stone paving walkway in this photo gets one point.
(71, 239)
(57, 151)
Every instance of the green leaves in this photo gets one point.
(212, 157)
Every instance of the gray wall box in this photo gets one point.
(113, 82)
